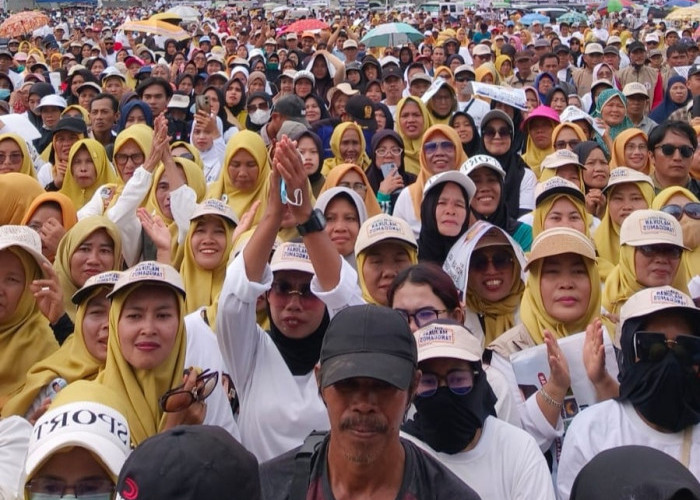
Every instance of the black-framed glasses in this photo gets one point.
(50, 488)
(561, 144)
(179, 399)
(252, 108)
(670, 149)
(421, 316)
(460, 382)
(286, 290)
(493, 132)
(123, 159)
(432, 147)
(692, 210)
(653, 346)
(466, 78)
(661, 250)
(500, 260)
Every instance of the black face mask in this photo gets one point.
(666, 393)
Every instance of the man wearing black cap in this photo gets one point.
(367, 376)
(289, 107)
(392, 86)
(523, 76)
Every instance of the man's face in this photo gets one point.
(655, 61)
(636, 105)
(612, 60)
(523, 66)
(693, 84)
(418, 88)
(114, 86)
(102, 116)
(671, 39)
(109, 46)
(674, 168)
(307, 44)
(593, 59)
(77, 466)
(393, 88)
(438, 56)
(5, 63)
(156, 98)
(678, 59)
(550, 65)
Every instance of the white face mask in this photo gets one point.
(260, 117)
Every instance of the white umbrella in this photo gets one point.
(280, 9)
(186, 13)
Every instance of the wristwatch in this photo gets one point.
(315, 223)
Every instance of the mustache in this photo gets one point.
(369, 423)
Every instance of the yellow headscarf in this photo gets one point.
(499, 63)
(412, 147)
(330, 163)
(69, 215)
(83, 112)
(204, 286)
(193, 151)
(533, 155)
(617, 158)
(17, 192)
(27, 166)
(142, 135)
(140, 390)
(71, 362)
(487, 69)
(337, 174)
(362, 256)
(548, 173)
(607, 236)
(539, 214)
(25, 336)
(105, 173)
(534, 315)
(223, 189)
(445, 69)
(690, 262)
(416, 189)
(70, 243)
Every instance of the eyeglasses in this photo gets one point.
(123, 159)
(187, 156)
(462, 79)
(670, 150)
(653, 346)
(460, 382)
(421, 316)
(395, 151)
(563, 144)
(692, 210)
(642, 148)
(493, 132)
(179, 399)
(285, 290)
(12, 158)
(661, 250)
(358, 187)
(500, 260)
(252, 108)
(432, 147)
(45, 488)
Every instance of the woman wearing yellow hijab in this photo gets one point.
(412, 120)
(88, 169)
(539, 126)
(91, 247)
(630, 150)
(567, 135)
(349, 173)
(437, 155)
(487, 73)
(560, 204)
(16, 156)
(80, 357)
(77, 111)
(17, 192)
(343, 135)
(47, 206)
(25, 334)
(627, 191)
(508, 70)
(445, 73)
(182, 149)
(245, 176)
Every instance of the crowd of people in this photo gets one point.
(255, 262)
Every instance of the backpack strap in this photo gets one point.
(303, 462)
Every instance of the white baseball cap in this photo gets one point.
(383, 227)
(25, 238)
(52, 100)
(650, 227)
(557, 185)
(558, 241)
(561, 158)
(455, 176)
(152, 272)
(447, 340)
(622, 175)
(213, 206)
(655, 299)
(291, 256)
(479, 161)
(108, 279)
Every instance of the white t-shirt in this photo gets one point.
(403, 209)
(14, 441)
(506, 464)
(611, 424)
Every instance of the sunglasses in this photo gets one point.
(563, 144)
(692, 210)
(252, 108)
(653, 346)
(462, 79)
(179, 399)
(460, 382)
(661, 250)
(670, 150)
(432, 147)
(285, 290)
(500, 261)
(421, 316)
(493, 132)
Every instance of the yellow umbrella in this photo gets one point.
(685, 14)
(156, 27)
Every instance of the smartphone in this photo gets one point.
(283, 192)
(695, 112)
(202, 103)
(386, 169)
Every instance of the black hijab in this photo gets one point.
(584, 150)
(374, 173)
(235, 110)
(325, 115)
(387, 113)
(249, 125)
(315, 178)
(471, 148)
(433, 246)
(300, 355)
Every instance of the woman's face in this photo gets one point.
(319, 68)
(388, 152)
(339, 104)
(487, 78)
(213, 101)
(201, 138)
(412, 297)
(571, 173)
(564, 214)
(636, 153)
(76, 82)
(374, 93)
(383, 262)
(178, 60)
(492, 272)
(12, 284)
(85, 51)
(243, 170)
(296, 315)
(310, 154)
(97, 68)
(353, 180)
(540, 131)
(371, 72)
(303, 87)
(566, 139)
(558, 103)
(575, 101)
(613, 111)
(208, 242)
(464, 129)
(11, 156)
(679, 93)
(93, 256)
(313, 111)
(497, 138)
(164, 188)
(96, 326)
(83, 168)
(657, 268)
(544, 86)
(233, 95)
(350, 146)
(256, 85)
(148, 326)
(488, 191)
(185, 86)
(565, 287)
(451, 210)
(623, 200)
(596, 171)
(506, 68)
(531, 99)
(381, 119)
(411, 120)
(604, 73)
(440, 153)
(342, 224)
(136, 115)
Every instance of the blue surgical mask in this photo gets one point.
(4, 94)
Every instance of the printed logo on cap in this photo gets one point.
(435, 335)
(619, 173)
(368, 112)
(147, 270)
(21, 235)
(382, 226)
(130, 490)
(295, 252)
(215, 204)
(556, 182)
(670, 296)
(480, 161)
(655, 225)
(108, 278)
(82, 419)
